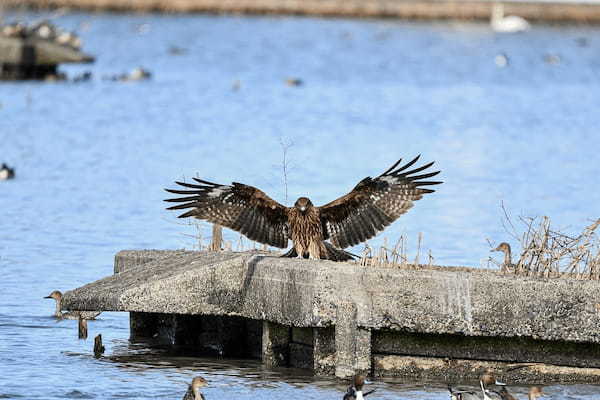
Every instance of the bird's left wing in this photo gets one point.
(240, 207)
(374, 203)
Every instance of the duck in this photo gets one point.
(507, 266)
(534, 393)
(355, 392)
(463, 394)
(69, 39)
(58, 314)
(508, 24)
(16, 29)
(45, 30)
(294, 82)
(138, 74)
(193, 392)
(6, 172)
(501, 60)
(486, 379)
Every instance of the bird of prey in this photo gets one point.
(373, 204)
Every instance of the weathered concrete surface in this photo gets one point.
(343, 318)
(524, 349)
(305, 293)
(19, 51)
(457, 370)
(581, 11)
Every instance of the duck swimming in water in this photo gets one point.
(6, 172)
(193, 392)
(355, 392)
(57, 296)
(534, 393)
(487, 379)
(507, 266)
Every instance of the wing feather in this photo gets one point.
(375, 203)
(240, 207)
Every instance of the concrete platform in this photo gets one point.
(30, 58)
(342, 318)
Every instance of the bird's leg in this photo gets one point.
(314, 250)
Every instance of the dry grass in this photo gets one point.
(549, 252)
(395, 257)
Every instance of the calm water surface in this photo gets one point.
(92, 160)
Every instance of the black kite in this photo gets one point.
(358, 216)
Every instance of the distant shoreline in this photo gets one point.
(536, 10)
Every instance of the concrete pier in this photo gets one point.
(443, 323)
(23, 58)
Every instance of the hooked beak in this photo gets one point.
(47, 297)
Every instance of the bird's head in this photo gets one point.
(359, 381)
(303, 204)
(198, 383)
(503, 247)
(56, 295)
(535, 392)
(489, 379)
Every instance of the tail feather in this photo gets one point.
(336, 254)
(291, 253)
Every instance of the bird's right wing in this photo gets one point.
(240, 207)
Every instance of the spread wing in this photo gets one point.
(374, 204)
(240, 207)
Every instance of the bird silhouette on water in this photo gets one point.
(6, 172)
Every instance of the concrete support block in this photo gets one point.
(324, 351)
(275, 344)
(352, 344)
(301, 348)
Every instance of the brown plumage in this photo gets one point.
(193, 392)
(353, 218)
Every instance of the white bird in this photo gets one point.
(508, 24)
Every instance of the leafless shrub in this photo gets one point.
(285, 144)
(549, 252)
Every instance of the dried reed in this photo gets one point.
(395, 257)
(551, 253)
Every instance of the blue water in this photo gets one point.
(92, 159)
